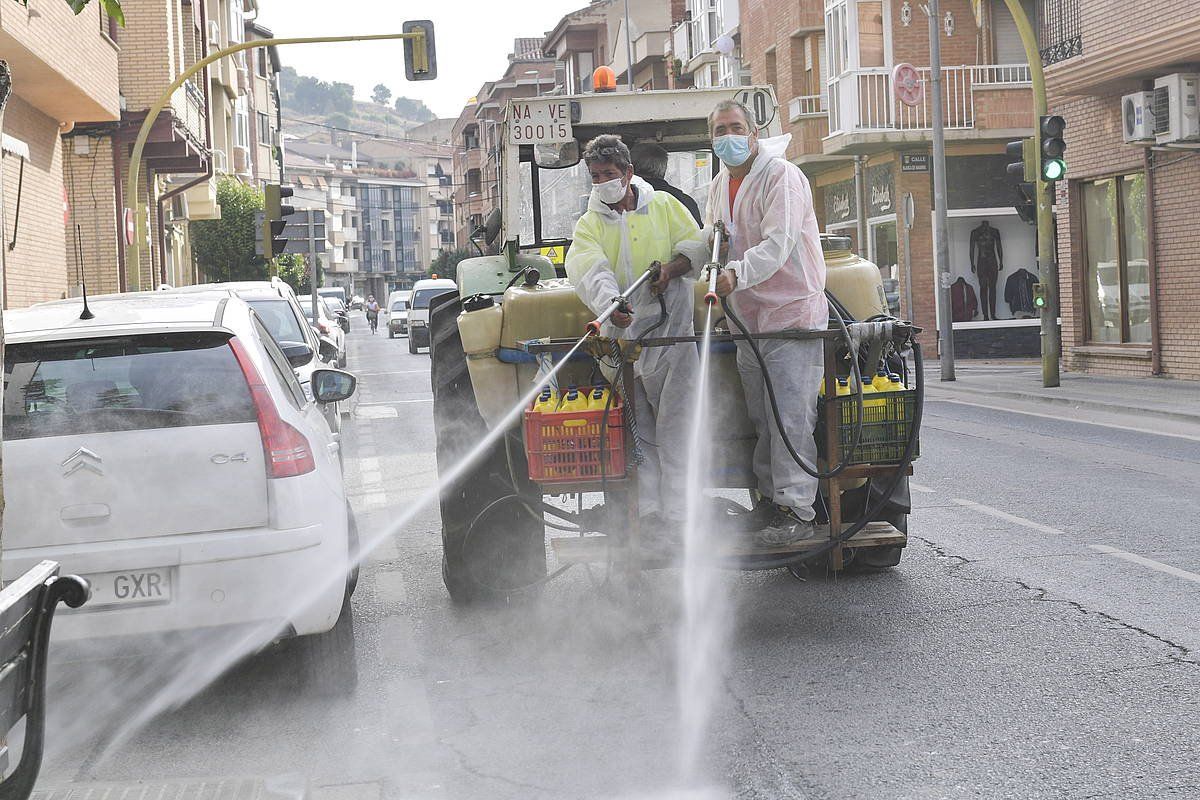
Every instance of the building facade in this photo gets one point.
(1128, 276)
(705, 45)
(867, 154)
(64, 74)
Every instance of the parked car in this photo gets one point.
(397, 313)
(277, 307)
(164, 450)
(339, 311)
(418, 312)
(325, 325)
(333, 291)
(356, 302)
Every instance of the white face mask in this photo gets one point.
(611, 192)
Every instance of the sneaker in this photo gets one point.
(785, 529)
(754, 519)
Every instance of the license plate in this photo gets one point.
(130, 587)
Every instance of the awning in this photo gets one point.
(12, 144)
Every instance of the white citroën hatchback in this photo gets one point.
(165, 450)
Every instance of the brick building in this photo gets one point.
(867, 155)
(64, 71)
(1129, 277)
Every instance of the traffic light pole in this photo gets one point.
(941, 250)
(420, 63)
(1044, 200)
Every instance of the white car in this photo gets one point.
(397, 313)
(424, 291)
(277, 307)
(164, 450)
(325, 325)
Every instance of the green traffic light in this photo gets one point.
(1053, 169)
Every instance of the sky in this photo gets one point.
(472, 40)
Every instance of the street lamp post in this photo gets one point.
(420, 66)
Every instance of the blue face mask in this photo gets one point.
(732, 149)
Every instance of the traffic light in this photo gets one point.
(1053, 146)
(420, 62)
(1022, 169)
(1039, 297)
(273, 220)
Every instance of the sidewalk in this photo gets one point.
(1018, 384)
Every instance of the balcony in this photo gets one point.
(651, 44)
(681, 41)
(474, 158)
(981, 101)
(805, 106)
(188, 106)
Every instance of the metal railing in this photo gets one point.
(1059, 30)
(809, 105)
(864, 100)
(188, 106)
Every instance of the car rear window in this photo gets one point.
(399, 305)
(421, 299)
(67, 388)
(279, 319)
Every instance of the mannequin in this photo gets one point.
(987, 262)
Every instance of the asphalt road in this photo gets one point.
(1038, 640)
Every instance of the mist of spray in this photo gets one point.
(705, 609)
(189, 673)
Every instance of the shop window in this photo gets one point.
(1117, 279)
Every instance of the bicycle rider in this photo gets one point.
(372, 308)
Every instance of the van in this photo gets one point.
(418, 309)
(396, 311)
(335, 291)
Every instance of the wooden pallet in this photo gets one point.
(596, 549)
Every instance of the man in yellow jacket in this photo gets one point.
(626, 228)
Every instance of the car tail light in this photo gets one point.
(285, 450)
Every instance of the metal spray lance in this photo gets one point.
(621, 301)
(714, 266)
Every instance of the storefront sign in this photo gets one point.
(914, 162)
(839, 203)
(880, 191)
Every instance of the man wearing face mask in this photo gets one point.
(626, 228)
(775, 280)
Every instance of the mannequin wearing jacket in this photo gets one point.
(775, 280)
(628, 225)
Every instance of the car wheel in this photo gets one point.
(328, 661)
(485, 557)
(412, 345)
(355, 551)
(391, 334)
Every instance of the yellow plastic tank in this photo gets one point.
(854, 281)
(549, 309)
(494, 382)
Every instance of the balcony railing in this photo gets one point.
(188, 106)
(1059, 30)
(863, 101)
(809, 105)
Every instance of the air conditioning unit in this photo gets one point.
(1176, 114)
(1137, 115)
(214, 32)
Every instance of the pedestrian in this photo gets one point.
(650, 164)
(775, 280)
(628, 226)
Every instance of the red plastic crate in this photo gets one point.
(564, 446)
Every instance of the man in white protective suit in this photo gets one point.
(775, 280)
(627, 227)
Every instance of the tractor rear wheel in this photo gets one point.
(491, 547)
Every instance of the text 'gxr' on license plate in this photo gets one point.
(130, 587)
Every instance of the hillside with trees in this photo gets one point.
(332, 104)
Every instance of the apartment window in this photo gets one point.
(870, 34)
(355, 252)
(264, 129)
(241, 123)
(584, 64)
(1117, 279)
(319, 231)
(385, 230)
(260, 62)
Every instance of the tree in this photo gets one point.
(294, 271)
(224, 248)
(413, 109)
(381, 94)
(446, 263)
(113, 7)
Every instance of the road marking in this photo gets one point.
(1157, 566)
(371, 477)
(1004, 515)
(376, 412)
(920, 488)
(1114, 426)
(394, 402)
(397, 372)
(368, 464)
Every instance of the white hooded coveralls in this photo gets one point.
(775, 250)
(609, 250)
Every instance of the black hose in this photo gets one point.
(504, 589)
(858, 395)
(871, 510)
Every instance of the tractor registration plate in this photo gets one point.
(540, 121)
